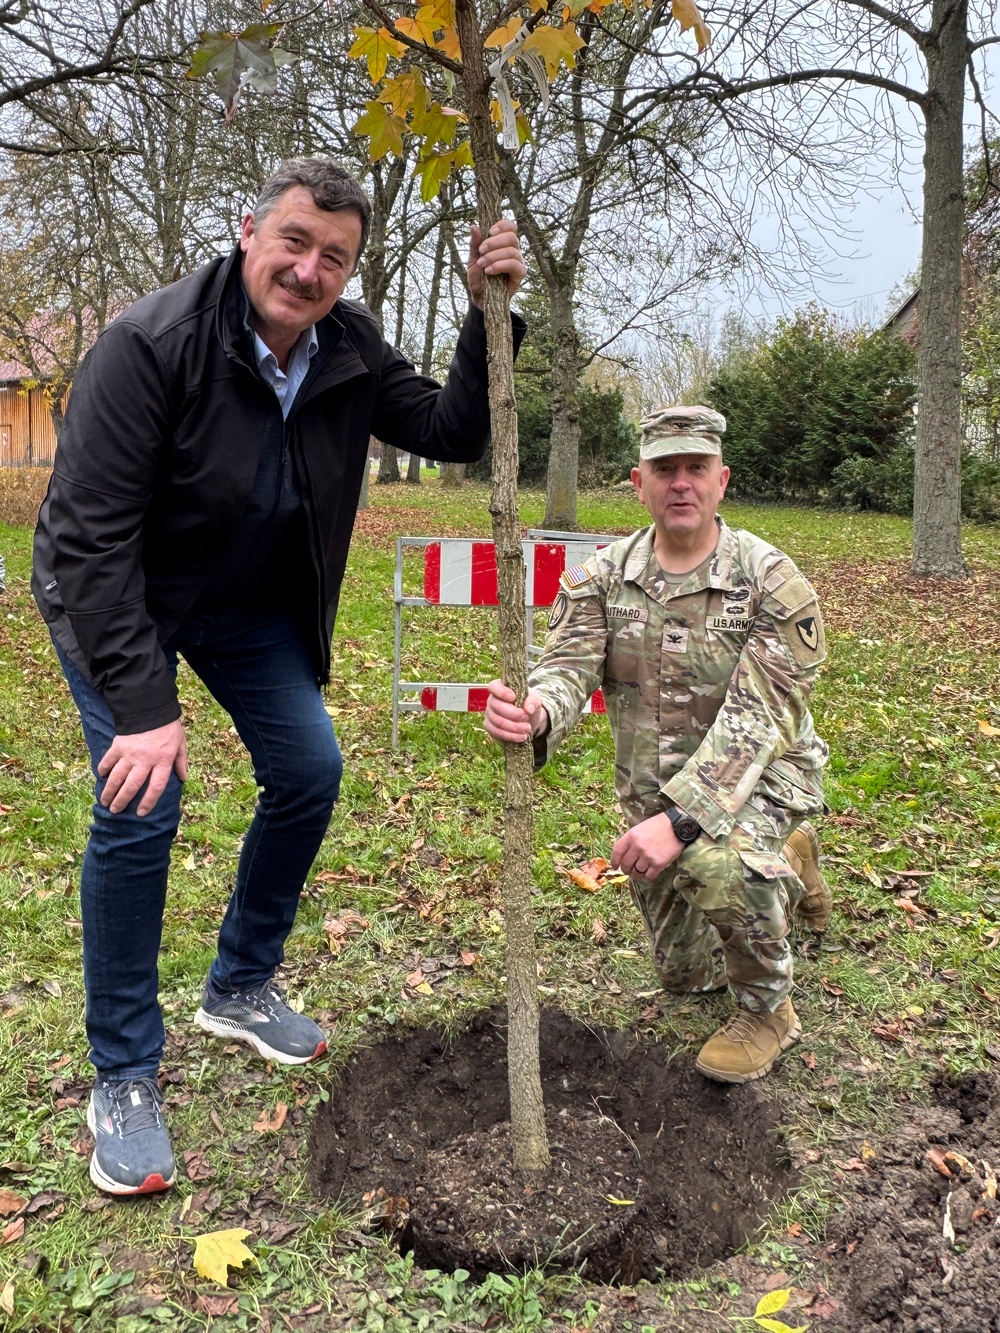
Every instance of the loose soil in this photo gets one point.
(889, 1250)
(421, 1118)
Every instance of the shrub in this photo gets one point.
(22, 490)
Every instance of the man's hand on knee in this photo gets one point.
(504, 720)
(648, 848)
(146, 756)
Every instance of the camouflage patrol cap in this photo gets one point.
(681, 430)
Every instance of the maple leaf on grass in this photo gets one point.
(216, 1252)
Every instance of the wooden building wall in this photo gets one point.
(27, 436)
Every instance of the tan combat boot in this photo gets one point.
(801, 851)
(749, 1044)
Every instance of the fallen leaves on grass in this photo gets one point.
(594, 874)
(10, 1203)
(7, 1297)
(338, 929)
(216, 1252)
(196, 1165)
(986, 729)
(216, 1307)
(12, 1231)
(598, 931)
(271, 1122)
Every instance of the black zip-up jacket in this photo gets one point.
(157, 458)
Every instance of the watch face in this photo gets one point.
(686, 828)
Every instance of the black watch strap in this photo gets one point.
(686, 828)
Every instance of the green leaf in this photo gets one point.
(383, 129)
(776, 1326)
(772, 1302)
(237, 58)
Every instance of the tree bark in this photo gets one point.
(388, 465)
(452, 476)
(527, 1110)
(937, 478)
(564, 441)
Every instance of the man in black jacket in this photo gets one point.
(201, 505)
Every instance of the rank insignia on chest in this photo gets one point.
(575, 577)
(675, 639)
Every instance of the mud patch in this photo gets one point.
(891, 1258)
(709, 1163)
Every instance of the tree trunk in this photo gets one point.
(527, 1110)
(363, 499)
(413, 470)
(452, 476)
(937, 480)
(564, 441)
(388, 465)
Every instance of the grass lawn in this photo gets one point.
(906, 984)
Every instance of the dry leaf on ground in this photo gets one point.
(270, 1123)
(936, 1158)
(217, 1251)
(10, 1203)
(7, 1297)
(12, 1232)
(338, 928)
(583, 880)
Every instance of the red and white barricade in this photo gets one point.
(458, 571)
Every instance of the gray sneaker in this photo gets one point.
(260, 1017)
(132, 1153)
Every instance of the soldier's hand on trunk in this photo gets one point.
(504, 720)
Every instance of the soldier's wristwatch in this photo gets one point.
(686, 828)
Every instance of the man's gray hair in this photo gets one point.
(332, 189)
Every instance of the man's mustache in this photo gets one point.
(306, 291)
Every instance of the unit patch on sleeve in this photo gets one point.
(808, 632)
(559, 609)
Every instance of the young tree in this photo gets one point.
(448, 47)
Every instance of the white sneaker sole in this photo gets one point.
(153, 1184)
(233, 1031)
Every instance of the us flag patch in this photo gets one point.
(575, 577)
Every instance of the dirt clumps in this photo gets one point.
(917, 1248)
(418, 1117)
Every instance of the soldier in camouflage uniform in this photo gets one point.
(706, 641)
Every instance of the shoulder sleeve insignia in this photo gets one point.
(576, 577)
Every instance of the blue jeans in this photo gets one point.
(257, 667)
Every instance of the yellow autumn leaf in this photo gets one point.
(688, 15)
(501, 36)
(376, 45)
(439, 12)
(555, 46)
(776, 1326)
(986, 729)
(217, 1251)
(424, 989)
(622, 1203)
(421, 29)
(384, 130)
(400, 92)
(435, 123)
(772, 1301)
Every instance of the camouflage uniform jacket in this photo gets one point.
(705, 682)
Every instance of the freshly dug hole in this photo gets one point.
(700, 1161)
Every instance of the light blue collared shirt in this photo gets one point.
(285, 384)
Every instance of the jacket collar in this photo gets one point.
(338, 358)
(723, 568)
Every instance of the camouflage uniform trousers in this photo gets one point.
(714, 919)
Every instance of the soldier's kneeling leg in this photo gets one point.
(748, 909)
(686, 949)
